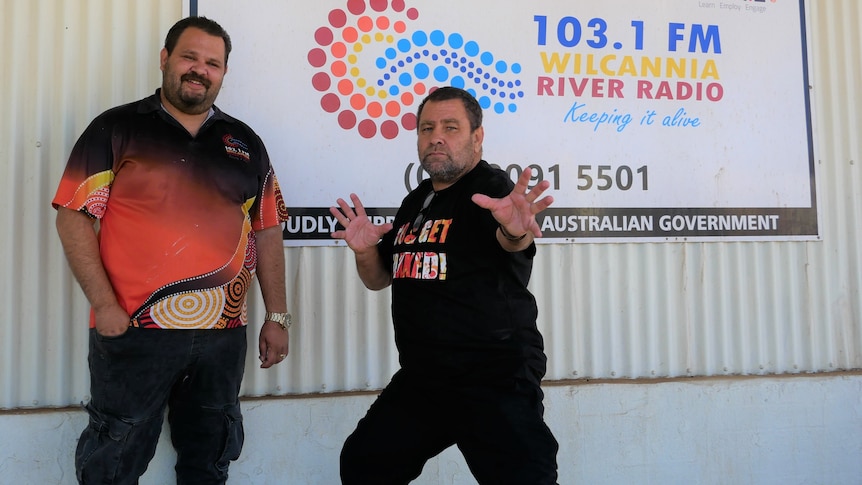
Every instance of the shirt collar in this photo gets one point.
(154, 103)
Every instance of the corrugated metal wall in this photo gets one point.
(607, 310)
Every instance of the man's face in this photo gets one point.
(192, 75)
(447, 148)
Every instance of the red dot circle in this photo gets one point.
(367, 128)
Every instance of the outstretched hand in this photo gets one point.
(516, 212)
(359, 232)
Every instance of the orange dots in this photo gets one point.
(383, 23)
(400, 27)
(407, 99)
(419, 88)
(339, 50)
(350, 34)
(357, 101)
(374, 109)
(365, 24)
(338, 68)
(345, 86)
(393, 109)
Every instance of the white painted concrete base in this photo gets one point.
(784, 430)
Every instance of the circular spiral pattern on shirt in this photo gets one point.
(235, 294)
(97, 203)
(199, 309)
(281, 207)
(250, 261)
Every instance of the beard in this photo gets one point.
(446, 172)
(447, 167)
(188, 102)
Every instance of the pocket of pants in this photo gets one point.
(234, 437)
(101, 444)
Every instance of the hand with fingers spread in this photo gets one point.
(362, 236)
(516, 213)
(359, 232)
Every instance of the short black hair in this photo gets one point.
(474, 111)
(203, 23)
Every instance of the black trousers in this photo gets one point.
(196, 374)
(497, 426)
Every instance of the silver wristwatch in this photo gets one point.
(282, 319)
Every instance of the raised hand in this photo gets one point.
(359, 232)
(516, 212)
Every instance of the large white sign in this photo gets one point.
(653, 121)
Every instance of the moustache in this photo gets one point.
(195, 77)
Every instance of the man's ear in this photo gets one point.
(163, 59)
(478, 137)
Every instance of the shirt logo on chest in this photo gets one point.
(236, 148)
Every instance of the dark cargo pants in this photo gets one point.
(196, 374)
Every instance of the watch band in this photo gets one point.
(282, 319)
(510, 237)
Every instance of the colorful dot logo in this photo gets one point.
(400, 68)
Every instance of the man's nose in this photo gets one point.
(199, 68)
(437, 137)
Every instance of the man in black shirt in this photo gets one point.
(458, 256)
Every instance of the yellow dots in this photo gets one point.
(357, 47)
(378, 37)
(366, 39)
(390, 39)
(382, 94)
(354, 71)
(352, 58)
(360, 83)
(370, 91)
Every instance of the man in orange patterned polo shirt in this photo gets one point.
(189, 212)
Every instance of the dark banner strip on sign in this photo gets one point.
(585, 223)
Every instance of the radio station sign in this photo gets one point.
(653, 121)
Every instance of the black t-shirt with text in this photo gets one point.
(460, 303)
